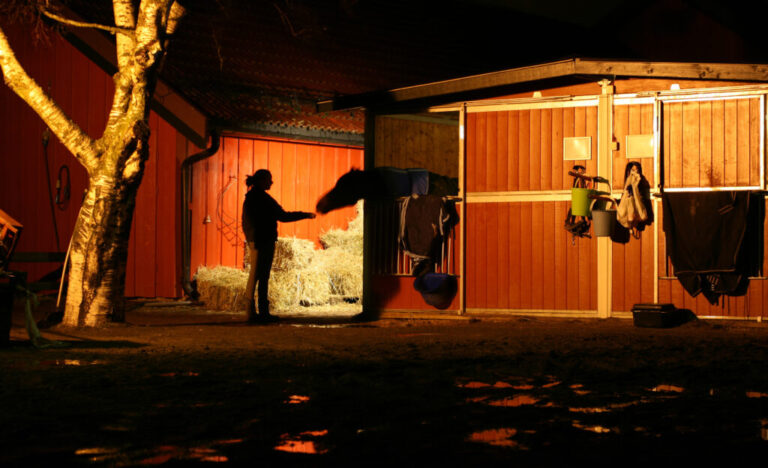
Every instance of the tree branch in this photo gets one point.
(80, 24)
(125, 17)
(67, 131)
(175, 14)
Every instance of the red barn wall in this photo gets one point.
(302, 173)
(84, 91)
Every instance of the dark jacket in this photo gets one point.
(261, 213)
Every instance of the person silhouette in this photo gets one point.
(261, 213)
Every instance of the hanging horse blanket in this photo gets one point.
(705, 235)
(425, 220)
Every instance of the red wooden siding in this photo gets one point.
(302, 172)
(712, 143)
(84, 91)
(519, 257)
(633, 119)
(522, 150)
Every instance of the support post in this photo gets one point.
(463, 207)
(604, 169)
(369, 162)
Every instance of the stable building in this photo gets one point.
(511, 137)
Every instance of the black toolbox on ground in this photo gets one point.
(657, 315)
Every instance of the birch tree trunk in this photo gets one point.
(115, 161)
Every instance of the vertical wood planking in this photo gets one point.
(502, 142)
(304, 200)
(491, 257)
(504, 257)
(480, 154)
(647, 128)
(513, 149)
(690, 144)
(315, 185)
(620, 130)
(471, 156)
(524, 154)
(472, 270)
(213, 186)
(536, 270)
(197, 209)
(705, 144)
(560, 261)
(287, 187)
(491, 155)
(718, 143)
(146, 220)
(534, 146)
(742, 142)
(227, 206)
(167, 210)
(676, 145)
(526, 255)
(754, 142)
(549, 226)
(731, 143)
(559, 169)
(545, 140)
(244, 169)
(515, 270)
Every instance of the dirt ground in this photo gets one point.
(179, 385)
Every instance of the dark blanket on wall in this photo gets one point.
(425, 221)
(714, 240)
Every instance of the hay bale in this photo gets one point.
(342, 257)
(291, 253)
(350, 239)
(293, 288)
(344, 268)
(222, 288)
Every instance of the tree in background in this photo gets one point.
(115, 161)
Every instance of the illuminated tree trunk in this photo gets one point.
(115, 162)
(99, 248)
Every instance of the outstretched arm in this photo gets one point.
(290, 216)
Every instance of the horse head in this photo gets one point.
(350, 188)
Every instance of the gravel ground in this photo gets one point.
(179, 385)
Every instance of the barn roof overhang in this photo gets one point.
(559, 73)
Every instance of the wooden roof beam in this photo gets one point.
(571, 68)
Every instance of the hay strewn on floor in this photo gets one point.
(301, 275)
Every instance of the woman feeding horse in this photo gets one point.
(261, 213)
